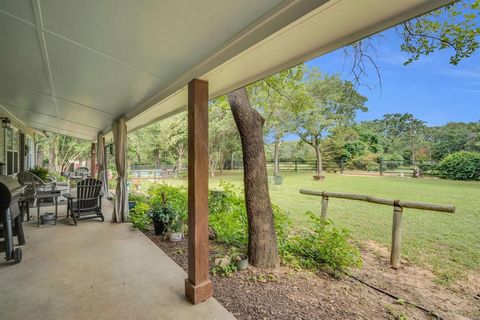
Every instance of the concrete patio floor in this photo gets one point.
(96, 271)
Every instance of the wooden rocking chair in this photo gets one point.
(88, 203)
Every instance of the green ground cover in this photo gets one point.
(449, 244)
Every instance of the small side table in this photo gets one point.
(44, 195)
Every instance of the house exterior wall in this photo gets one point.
(14, 148)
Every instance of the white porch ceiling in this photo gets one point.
(73, 66)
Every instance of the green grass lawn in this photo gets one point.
(447, 243)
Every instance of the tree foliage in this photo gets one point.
(223, 134)
(327, 102)
(453, 27)
(63, 151)
(276, 97)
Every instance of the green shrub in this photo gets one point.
(228, 217)
(323, 246)
(392, 161)
(224, 271)
(368, 161)
(137, 197)
(428, 168)
(175, 197)
(40, 172)
(139, 216)
(460, 165)
(57, 177)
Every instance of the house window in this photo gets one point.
(11, 148)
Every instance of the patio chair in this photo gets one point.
(88, 202)
(33, 184)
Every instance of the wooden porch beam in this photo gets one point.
(198, 286)
(93, 160)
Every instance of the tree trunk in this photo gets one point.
(180, 158)
(222, 164)
(262, 239)
(213, 165)
(276, 153)
(232, 162)
(319, 160)
(157, 160)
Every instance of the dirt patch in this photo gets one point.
(417, 285)
(290, 294)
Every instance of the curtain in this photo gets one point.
(102, 174)
(120, 211)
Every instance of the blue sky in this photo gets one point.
(430, 88)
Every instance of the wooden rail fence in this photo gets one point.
(397, 205)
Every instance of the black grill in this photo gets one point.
(10, 218)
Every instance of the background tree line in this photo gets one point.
(309, 116)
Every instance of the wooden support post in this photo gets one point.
(93, 160)
(21, 153)
(324, 208)
(198, 286)
(396, 236)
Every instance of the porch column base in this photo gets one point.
(198, 293)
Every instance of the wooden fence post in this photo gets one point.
(396, 236)
(324, 208)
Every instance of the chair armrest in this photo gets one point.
(68, 196)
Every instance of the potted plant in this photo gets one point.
(175, 229)
(241, 261)
(133, 199)
(161, 216)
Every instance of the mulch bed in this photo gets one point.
(285, 293)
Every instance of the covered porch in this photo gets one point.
(97, 69)
(96, 271)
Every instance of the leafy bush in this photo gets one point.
(323, 246)
(174, 196)
(392, 161)
(368, 161)
(169, 205)
(57, 177)
(460, 165)
(139, 216)
(224, 271)
(228, 217)
(40, 172)
(137, 197)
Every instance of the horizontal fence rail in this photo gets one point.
(397, 205)
(387, 202)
